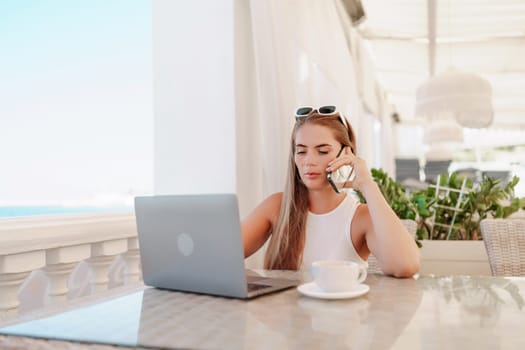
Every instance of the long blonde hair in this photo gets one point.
(285, 250)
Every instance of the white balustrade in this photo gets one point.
(14, 268)
(60, 262)
(9, 286)
(132, 259)
(57, 244)
(102, 256)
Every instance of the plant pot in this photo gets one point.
(454, 258)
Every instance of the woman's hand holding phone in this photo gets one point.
(348, 171)
(339, 178)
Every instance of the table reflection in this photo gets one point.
(184, 320)
(280, 320)
(427, 312)
(480, 299)
(113, 322)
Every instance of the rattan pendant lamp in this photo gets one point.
(465, 98)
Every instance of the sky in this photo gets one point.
(76, 109)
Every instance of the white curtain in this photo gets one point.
(366, 143)
(302, 57)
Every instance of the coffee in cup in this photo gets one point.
(336, 276)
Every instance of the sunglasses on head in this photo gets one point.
(305, 111)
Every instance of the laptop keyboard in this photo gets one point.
(256, 286)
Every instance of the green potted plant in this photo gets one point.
(415, 207)
(474, 202)
(448, 215)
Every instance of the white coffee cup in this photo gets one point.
(335, 276)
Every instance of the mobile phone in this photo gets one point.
(341, 176)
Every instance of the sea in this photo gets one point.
(20, 211)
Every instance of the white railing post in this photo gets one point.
(132, 258)
(14, 268)
(9, 285)
(102, 255)
(60, 262)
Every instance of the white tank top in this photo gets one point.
(328, 235)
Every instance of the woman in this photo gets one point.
(310, 221)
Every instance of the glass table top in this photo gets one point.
(427, 312)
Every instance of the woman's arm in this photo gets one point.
(384, 234)
(256, 227)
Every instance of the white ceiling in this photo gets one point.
(486, 37)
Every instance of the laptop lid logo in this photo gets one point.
(185, 244)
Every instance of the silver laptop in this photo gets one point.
(193, 243)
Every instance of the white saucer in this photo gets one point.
(312, 290)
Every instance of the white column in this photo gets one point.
(9, 286)
(14, 268)
(194, 97)
(60, 263)
(102, 255)
(58, 275)
(132, 258)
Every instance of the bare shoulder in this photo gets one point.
(362, 222)
(268, 209)
(362, 219)
(275, 199)
(362, 211)
(361, 226)
(271, 205)
(257, 226)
